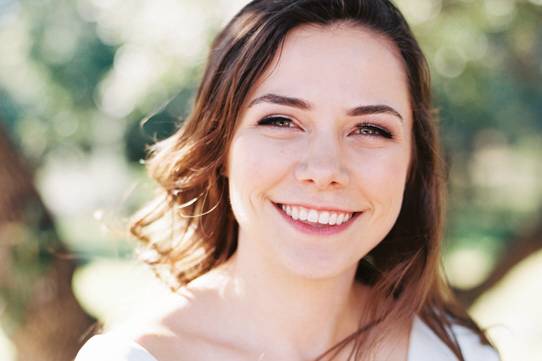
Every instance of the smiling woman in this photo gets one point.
(330, 145)
(301, 213)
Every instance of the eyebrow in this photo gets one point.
(304, 105)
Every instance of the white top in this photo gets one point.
(424, 346)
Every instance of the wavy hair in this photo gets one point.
(189, 229)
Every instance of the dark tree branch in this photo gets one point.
(42, 316)
(517, 251)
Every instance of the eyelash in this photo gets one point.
(380, 131)
(271, 121)
(369, 129)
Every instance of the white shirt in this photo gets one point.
(424, 346)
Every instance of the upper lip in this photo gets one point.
(317, 207)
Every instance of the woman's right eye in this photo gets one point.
(277, 121)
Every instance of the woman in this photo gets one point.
(302, 200)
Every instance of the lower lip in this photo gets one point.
(317, 229)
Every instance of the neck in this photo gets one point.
(296, 317)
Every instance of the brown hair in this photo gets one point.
(190, 228)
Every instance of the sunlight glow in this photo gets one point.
(7, 350)
(468, 267)
(420, 11)
(511, 311)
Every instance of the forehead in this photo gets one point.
(342, 64)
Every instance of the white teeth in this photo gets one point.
(303, 214)
(324, 218)
(295, 213)
(314, 216)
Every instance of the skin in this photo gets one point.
(287, 295)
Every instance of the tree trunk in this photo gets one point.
(40, 314)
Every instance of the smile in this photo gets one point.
(313, 221)
(315, 216)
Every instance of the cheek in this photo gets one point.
(383, 176)
(256, 160)
(254, 166)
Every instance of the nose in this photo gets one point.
(322, 165)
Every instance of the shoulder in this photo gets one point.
(113, 347)
(425, 345)
(158, 333)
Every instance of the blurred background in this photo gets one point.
(78, 76)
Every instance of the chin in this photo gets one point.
(314, 266)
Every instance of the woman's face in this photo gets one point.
(319, 159)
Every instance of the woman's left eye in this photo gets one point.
(372, 130)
